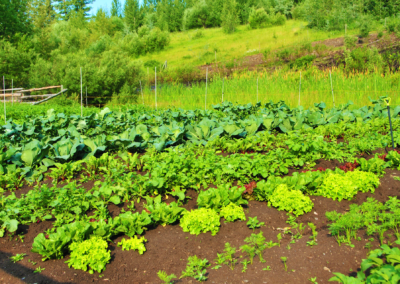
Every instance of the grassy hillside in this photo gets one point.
(186, 49)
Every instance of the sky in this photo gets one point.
(105, 4)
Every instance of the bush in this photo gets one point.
(258, 18)
(198, 34)
(365, 28)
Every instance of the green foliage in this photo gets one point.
(200, 221)
(196, 268)
(255, 245)
(253, 223)
(381, 271)
(133, 244)
(346, 186)
(365, 28)
(227, 257)
(17, 257)
(232, 212)
(162, 213)
(91, 253)
(374, 165)
(293, 201)
(223, 195)
(229, 16)
(167, 279)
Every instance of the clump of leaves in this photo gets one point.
(92, 253)
(216, 198)
(346, 186)
(255, 245)
(196, 268)
(295, 226)
(133, 244)
(200, 221)
(293, 201)
(253, 223)
(167, 279)
(17, 257)
(227, 257)
(232, 212)
(38, 270)
(284, 259)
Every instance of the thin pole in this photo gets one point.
(81, 95)
(205, 98)
(12, 91)
(141, 90)
(86, 96)
(223, 80)
(333, 98)
(155, 73)
(345, 29)
(390, 122)
(300, 88)
(257, 89)
(4, 92)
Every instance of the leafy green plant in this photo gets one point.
(232, 212)
(245, 263)
(167, 279)
(223, 195)
(345, 186)
(91, 253)
(279, 237)
(374, 165)
(268, 268)
(255, 245)
(284, 259)
(196, 268)
(293, 201)
(17, 257)
(200, 221)
(163, 213)
(39, 270)
(313, 280)
(271, 244)
(133, 244)
(253, 223)
(314, 235)
(227, 257)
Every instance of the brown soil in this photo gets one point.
(169, 247)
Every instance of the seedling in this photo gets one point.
(17, 257)
(271, 244)
(245, 263)
(284, 259)
(167, 279)
(313, 236)
(196, 268)
(227, 257)
(39, 270)
(253, 223)
(288, 247)
(32, 262)
(268, 268)
(255, 246)
(279, 237)
(313, 280)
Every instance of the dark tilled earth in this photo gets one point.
(169, 247)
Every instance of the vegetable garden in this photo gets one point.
(260, 193)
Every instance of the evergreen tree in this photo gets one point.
(43, 13)
(116, 8)
(14, 18)
(229, 17)
(66, 7)
(133, 14)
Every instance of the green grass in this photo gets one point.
(280, 85)
(183, 50)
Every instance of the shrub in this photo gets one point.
(365, 28)
(258, 18)
(200, 221)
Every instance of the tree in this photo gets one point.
(66, 7)
(43, 14)
(14, 18)
(116, 8)
(229, 18)
(133, 14)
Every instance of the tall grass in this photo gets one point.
(279, 85)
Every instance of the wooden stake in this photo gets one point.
(257, 89)
(4, 92)
(300, 88)
(205, 99)
(223, 80)
(141, 91)
(12, 91)
(81, 95)
(86, 96)
(333, 98)
(345, 29)
(155, 73)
